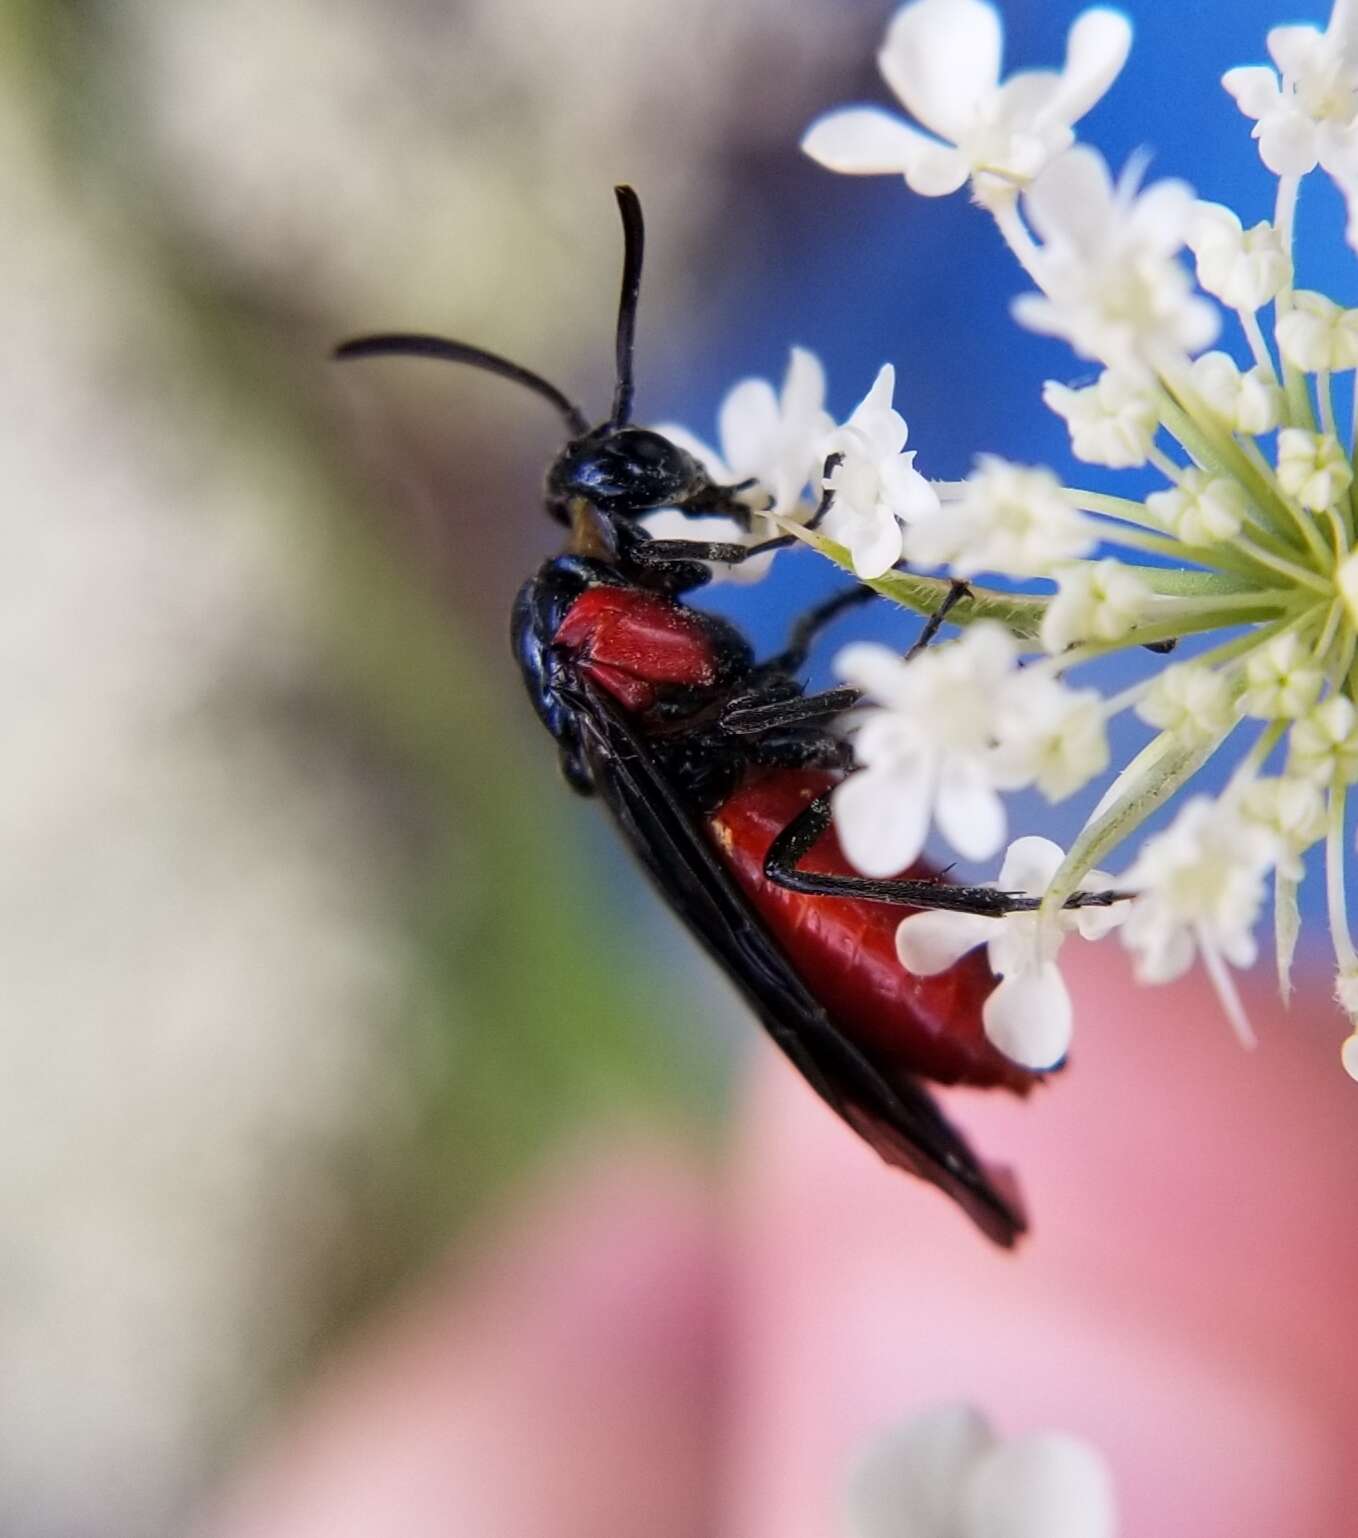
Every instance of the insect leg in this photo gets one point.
(827, 496)
(660, 552)
(793, 657)
(956, 593)
(806, 828)
(744, 719)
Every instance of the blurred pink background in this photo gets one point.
(648, 1346)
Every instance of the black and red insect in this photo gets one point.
(718, 768)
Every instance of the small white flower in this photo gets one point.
(1243, 268)
(1282, 680)
(925, 750)
(1008, 518)
(876, 485)
(1201, 885)
(1095, 601)
(1112, 422)
(1049, 735)
(946, 1474)
(1202, 509)
(1293, 811)
(942, 59)
(1028, 1015)
(1312, 467)
(1323, 744)
(1307, 116)
(1251, 402)
(1195, 703)
(1113, 287)
(777, 441)
(1316, 334)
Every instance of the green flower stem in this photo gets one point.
(1026, 250)
(1239, 556)
(1253, 761)
(1020, 613)
(1286, 929)
(1122, 508)
(1184, 412)
(1254, 335)
(1300, 519)
(1148, 635)
(1163, 765)
(1180, 582)
(1341, 667)
(1325, 395)
(1223, 606)
(1333, 619)
(1165, 465)
(1294, 383)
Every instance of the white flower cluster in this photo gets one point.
(946, 1474)
(1253, 541)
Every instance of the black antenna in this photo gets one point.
(634, 242)
(406, 344)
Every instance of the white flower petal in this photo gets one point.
(935, 171)
(865, 141)
(930, 942)
(1029, 865)
(970, 815)
(874, 545)
(1296, 49)
(1096, 49)
(1072, 199)
(1029, 1017)
(906, 1484)
(1044, 1486)
(875, 669)
(942, 58)
(882, 816)
(746, 424)
(1255, 89)
(1288, 143)
(803, 393)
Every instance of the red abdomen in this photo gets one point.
(633, 643)
(845, 950)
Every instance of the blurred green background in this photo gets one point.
(308, 952)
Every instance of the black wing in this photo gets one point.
(899, 1118)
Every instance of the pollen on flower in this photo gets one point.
(1190, 701)
(1112, 422)
(1095, 601)
(1316, 333)
(1324, 742)
(1292, 810)
(1202, 509)
(1312, 467)
(1250, 402)
(1243, 268)
(1282, 680)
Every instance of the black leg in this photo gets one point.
(792, 659)
(956, 592)
(802, 749)
(803, 832)
(827, 497)
(744, 717)
(660, 552)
